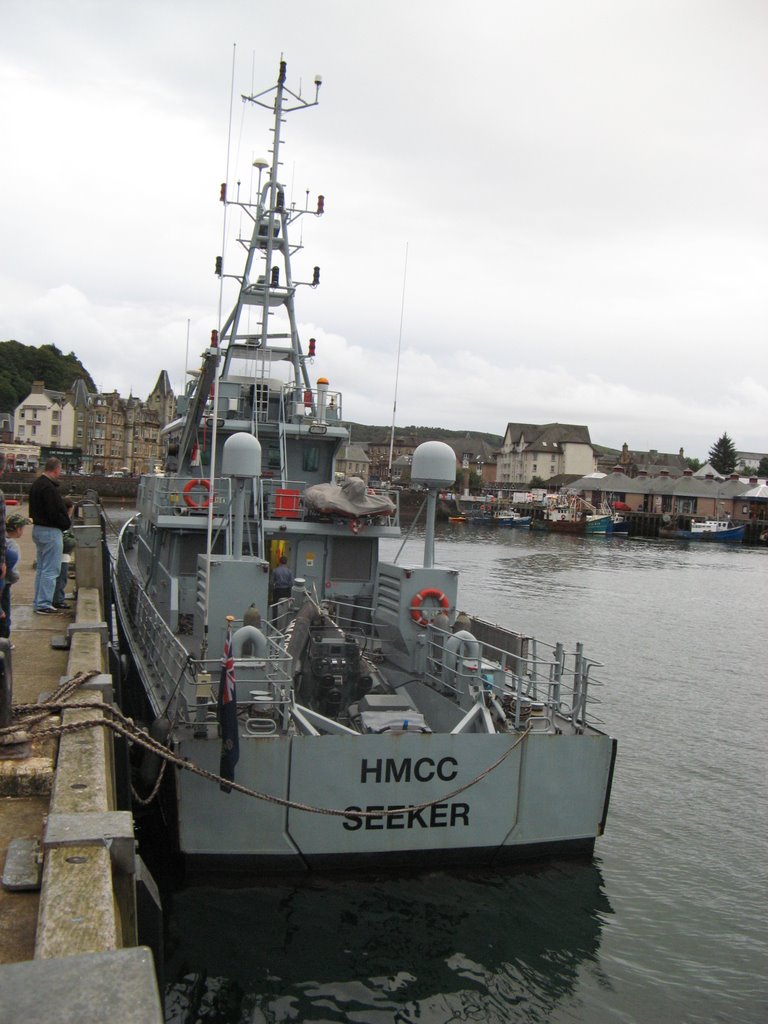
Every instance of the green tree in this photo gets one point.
(21, 364)
(537, 482)
(694, 464)
(762, 469)
(722, 455)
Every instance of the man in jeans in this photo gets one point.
(49, 514)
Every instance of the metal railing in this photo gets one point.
(165, 657)
(285, 500)
(188, 496)
(541, 679)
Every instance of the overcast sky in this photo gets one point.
(579, 186)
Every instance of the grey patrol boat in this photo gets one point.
(360, 721)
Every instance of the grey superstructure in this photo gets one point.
(374, 723)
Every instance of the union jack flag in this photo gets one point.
(230, 737)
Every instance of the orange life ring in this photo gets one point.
(416, 613)
(190, 486)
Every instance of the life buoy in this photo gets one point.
(416, 613)
(190, 487)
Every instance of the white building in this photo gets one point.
(544, 450)
(44, 418)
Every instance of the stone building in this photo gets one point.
(352, 460)
(652, 462)
(122, 435)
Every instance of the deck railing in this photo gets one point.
(183, 496)
(285, 500)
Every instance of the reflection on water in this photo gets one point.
(433, 948)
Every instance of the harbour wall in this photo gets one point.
(72, 880)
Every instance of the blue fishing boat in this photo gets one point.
(720, 531)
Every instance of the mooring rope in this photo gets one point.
(114, 720)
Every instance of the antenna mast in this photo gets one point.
(397, 367)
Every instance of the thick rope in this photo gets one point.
(117, 723)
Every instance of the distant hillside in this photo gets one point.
(363, 433)
(22, 364)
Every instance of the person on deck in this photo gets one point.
(49, 515)
(282, 580)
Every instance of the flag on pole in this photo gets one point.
(230, 739)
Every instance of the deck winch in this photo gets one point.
(334, 673)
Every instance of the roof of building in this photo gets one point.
(353, 453)
(548, 436)
(476, 448)
(163, 385)
(689, 484)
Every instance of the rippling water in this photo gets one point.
(666, 925)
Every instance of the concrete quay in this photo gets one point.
(68, 904)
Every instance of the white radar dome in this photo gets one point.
(241, 456)
(433, 464)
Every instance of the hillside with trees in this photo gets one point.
(362, 433)
(20, 365)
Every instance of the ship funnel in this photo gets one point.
(434, 465)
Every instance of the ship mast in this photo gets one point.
(269, 241)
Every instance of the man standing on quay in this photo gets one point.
(49, 514)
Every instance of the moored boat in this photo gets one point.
(510, 518)
(362, 720)
(714, 530)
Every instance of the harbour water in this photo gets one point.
(667, 924)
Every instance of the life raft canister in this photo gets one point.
(416, 613)
(190, 487)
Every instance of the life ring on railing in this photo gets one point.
(416, 613)
(190, 487)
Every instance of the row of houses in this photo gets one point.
(692, 494)
(558, 454)
(91, 433)
(105, 433)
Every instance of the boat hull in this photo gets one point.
(566, 526)
(523, 809)
(401, 798)
(735, 535)
(508, 522)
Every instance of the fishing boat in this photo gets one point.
(566, 515)
(606, 521)
(510, 518)
(713, 530)
(362, 719)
